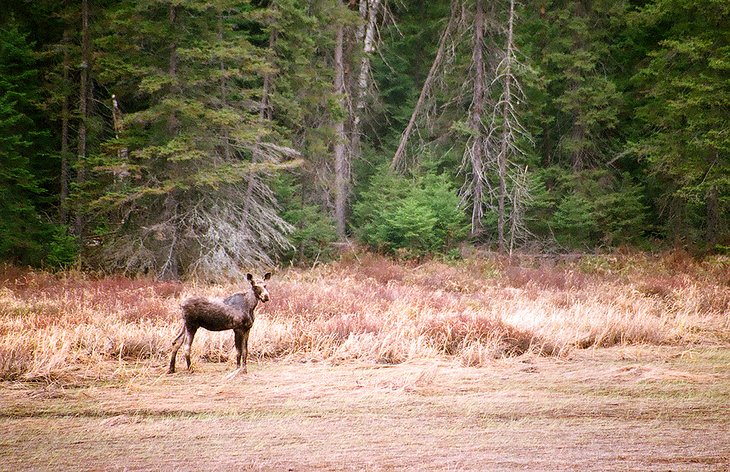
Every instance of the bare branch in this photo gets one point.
(397, 162)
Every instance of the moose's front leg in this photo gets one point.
(245, 350)
(239, 347)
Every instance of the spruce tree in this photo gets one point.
(684, 116)
(182, 203)
(23, 230)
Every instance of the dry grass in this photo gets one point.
(62, 328)
(603, 410)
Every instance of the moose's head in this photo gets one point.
(259, 286)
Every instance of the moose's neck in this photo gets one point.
(251, 299)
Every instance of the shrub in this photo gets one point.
(410, 217)
(588, 209)
(313, 235)
(63, 250)
(314, 231)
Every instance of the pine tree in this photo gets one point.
(184, 202)
(684, 114)
(22, 229)
(569, 41)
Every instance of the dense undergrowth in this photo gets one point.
(69, 326)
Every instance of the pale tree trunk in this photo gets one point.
(84, 87)
(507, 132)
(509, 128)
(64, 128)
(365, 35)
(397, 163)
(477, 151)
(342, 168)
(170, 269)
(122, 153)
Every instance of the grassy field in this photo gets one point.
(598, 363)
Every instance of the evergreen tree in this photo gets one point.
(23, 229)
(684, 116)
(159, 130)
(569, 41)
(184, 202)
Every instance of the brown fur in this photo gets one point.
(235, 312)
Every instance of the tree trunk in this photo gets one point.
(122, 153)
(714, 217)
(170, 269)
(341, 162)
(578, 132)
(172, 122)
(265, 113)
(397, 162)
(227, 152)
(83, 105)
(64, 128)
(477, 153)
(506, 131)
(366, 35)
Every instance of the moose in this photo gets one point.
(234, 312)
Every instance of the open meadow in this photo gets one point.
(591, 363)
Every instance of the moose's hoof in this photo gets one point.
(236, 373)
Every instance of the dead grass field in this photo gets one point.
(613, 409)
(606, 363)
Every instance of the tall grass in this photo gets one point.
(70, 326)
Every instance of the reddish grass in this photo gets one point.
(545, 278)
(369, 307)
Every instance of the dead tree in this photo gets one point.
(507, 130)
(493, 178)
(474, 155)
(397, 163)
(235, 312)
(342, 161)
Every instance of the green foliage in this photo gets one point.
(410, 217)
(684, 111)
(63, 250)
(313, 235)
(22, 228)
(628, 104)
(588, 209)
(574, 221)
(570, 42)
(314, 231)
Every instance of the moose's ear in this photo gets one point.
(267, 276)
(249, 277)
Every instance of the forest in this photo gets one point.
(191, 138)
(499, 233)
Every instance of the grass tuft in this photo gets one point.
(66, 326)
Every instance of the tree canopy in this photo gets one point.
(194, 138)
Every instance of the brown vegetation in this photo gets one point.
(68, 326)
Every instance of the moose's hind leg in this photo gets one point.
(190, 335)
(175, 347)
